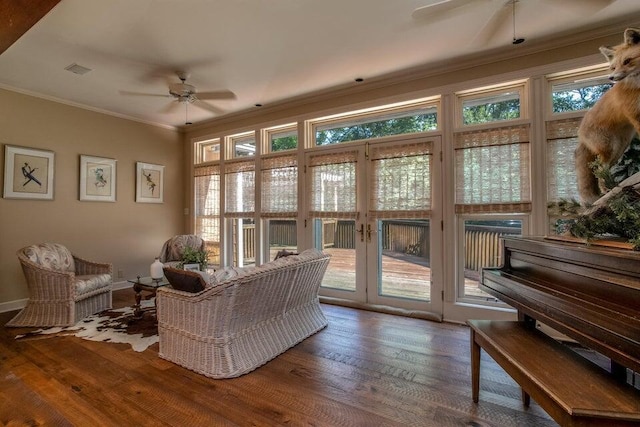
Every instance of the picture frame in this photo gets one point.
(149, 183)
(191, 267)
(28, 173)
(97, 179)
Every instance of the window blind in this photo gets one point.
(492, 170)
(240, 185)
(401, 181)
(207, 202)
(562, 139)
(279, 198)
(332, 188)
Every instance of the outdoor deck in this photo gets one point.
(404, 275)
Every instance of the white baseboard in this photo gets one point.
(12, 305)
(21, 303)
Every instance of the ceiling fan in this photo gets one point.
(185, 93)
(502, 11)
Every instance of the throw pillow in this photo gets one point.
(184, 280)
(284, 253)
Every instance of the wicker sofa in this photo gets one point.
(238, 324)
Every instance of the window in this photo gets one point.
(577, 90)
(242, 145)
(207, 209)
(572, 92)
(207, 151)
(492, 181)
(239, 188)
(282, 138)
(354, 126)
(488, 105)
(482, 248)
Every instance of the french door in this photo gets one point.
(376, 207)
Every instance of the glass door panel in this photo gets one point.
(337, 238)
(404, 268)
(282, 235)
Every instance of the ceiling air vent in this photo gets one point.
(77, 69)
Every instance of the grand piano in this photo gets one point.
(589, 293)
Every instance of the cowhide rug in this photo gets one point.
(114, 326)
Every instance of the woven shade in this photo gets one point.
(279, 196)
(492, 170)
(332, 188)
(562, 139)
(207, 202)
(240, 185)
(401, 181)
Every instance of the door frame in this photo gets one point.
(366, 252)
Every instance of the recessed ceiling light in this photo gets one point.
(77, 69)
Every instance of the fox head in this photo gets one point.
(624, 59)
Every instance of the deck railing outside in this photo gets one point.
(482, 242)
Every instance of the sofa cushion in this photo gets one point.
(227, 273)
(184, 280)
(51, 255)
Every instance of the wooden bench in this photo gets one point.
(573, 390)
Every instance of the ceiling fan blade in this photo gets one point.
(439, 10)
(208, 107)
(432, 11)
(129, 93)
(498, 18)
(170, 108)
(219, 94)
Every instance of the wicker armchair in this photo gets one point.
(251, 316)
(63, 288)
(172, 250)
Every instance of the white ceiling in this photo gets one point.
(264, 51)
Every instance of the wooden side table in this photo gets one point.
(146, 284)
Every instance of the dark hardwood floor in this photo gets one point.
(364, 369)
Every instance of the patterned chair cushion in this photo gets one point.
(51, 255)
(91, 282)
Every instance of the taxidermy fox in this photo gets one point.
(608, 127)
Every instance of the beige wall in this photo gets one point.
(125, 233)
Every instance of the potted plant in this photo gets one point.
(194, 256)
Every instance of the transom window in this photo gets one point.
(242, 145)
(282, 138)
(578, 91)
(487, 105)
(367, 124)
(207, 151)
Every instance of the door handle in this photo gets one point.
(361, 231)
(368, 232)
